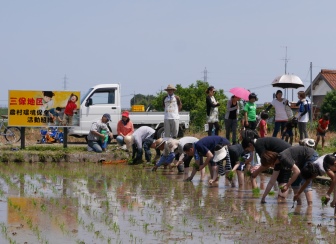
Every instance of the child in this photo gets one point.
(70, 109)
(47, 101)
(250, 112)
(322, 129)
(54, 115)
(263, 124)
(288, 130)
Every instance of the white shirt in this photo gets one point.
(319, 162)
(280, 111)
(171, 108)
(141, 134)
(97, 126)
(182, 142)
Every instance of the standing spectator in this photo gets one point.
(287, 133)
(250, 112)
(96, 136)
(124, 128)
(263, 124)
(281, 118)
(212, 110)
(172, 106)
(303, 115)
(322, 129)
(231, 118)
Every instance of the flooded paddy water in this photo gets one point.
(95, 203)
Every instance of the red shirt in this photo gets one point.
(70, 107)
(323, 124)
(262, 128)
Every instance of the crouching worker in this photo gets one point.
(295, 159)
(326, 164)
(221, 154)
(182, 160)
(98, 132)
(167, 155)
(205, 147)
(143, 139)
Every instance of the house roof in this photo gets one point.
(328, 75)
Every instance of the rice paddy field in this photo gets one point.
(96, 203)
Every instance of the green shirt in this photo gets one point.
(251, 110)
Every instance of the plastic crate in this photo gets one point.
(138, 108)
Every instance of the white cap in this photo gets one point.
(220, 154)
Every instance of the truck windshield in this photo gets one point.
(86, 94)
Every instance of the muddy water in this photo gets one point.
(91, 203)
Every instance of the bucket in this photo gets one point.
(206, 127)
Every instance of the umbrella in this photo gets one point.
(287, 81)
(240, 92)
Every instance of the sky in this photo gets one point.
(147, 44)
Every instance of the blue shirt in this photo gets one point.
(209, 143)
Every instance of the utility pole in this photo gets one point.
(286, 61)
(205, 77)
(65, 82)
(311, 94)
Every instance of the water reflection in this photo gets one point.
(117, 203)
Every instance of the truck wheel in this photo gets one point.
(180, 133)
(160, 133)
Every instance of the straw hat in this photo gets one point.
(220, 154)
(170, 87)
(129, 140)
(158, 143)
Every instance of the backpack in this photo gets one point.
(301, 108)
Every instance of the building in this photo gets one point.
(324, 82)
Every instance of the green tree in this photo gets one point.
(329, 106)
(140, 99)
(193, 101)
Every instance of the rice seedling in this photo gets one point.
(324, 201)
(256, 192)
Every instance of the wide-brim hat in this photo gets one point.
(170, 87)
(308, 142)
(172, 144)
(129, 140)
(220, 154)
(159, 142)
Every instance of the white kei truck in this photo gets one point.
(106, 98)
